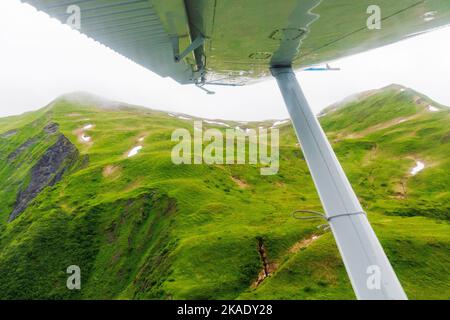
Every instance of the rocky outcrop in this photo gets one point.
(8, 134)
(22, 148)
(49, 170)
(51, 128)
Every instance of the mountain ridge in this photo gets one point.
(143, 228)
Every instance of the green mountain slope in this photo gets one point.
(143, 228)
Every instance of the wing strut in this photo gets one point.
(368, 268)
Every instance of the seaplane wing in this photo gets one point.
(237, 41)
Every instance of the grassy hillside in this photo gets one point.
(144, 228)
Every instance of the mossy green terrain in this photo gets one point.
(145, 228)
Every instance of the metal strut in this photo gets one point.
(368, 268)
(199, 41)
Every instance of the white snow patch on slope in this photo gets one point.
(134, 151)
(429, 16)
(419, 167)
(432, 108)
(217, 122)
(82, 135)
(279, 123)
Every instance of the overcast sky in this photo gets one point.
(41, 59)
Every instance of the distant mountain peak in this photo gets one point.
(392, 86)
(90, 99)
(363, 95)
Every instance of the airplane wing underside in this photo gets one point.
(242, 39)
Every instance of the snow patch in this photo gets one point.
(419, 167)
(134, 151)
(432, 108)
(183, 118)
(85, 138)
(217, 122)
(429, 16)
(246, 130)
(279, 123)
(82, 135)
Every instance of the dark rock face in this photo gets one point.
(46, 172)
(8, 134)
(51, 128)
(23, 147)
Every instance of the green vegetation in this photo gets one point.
(144, 228)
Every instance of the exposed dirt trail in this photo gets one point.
(270, 268)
